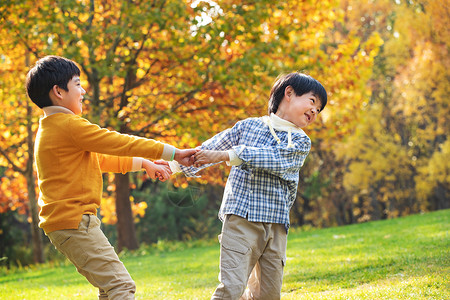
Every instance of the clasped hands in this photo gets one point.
(160, 169)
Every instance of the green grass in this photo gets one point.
(404, 258)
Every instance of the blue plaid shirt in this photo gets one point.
(264, 187)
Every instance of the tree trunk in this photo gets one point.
(298, 214)
(375, 213)
(439, 198)
(36, 233)
(351, 216)
(126, 233)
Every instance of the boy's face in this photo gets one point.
(302, 110)
(73, 98)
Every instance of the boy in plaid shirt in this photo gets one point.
(266, 155)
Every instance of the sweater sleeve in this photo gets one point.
(90, 137)
(115, 164)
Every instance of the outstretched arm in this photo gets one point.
(278, 160)
(221, 142)
(123, 164)
(210, 157)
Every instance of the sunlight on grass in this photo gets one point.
(420, 287)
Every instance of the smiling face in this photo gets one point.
(299, 110)
(72, 98)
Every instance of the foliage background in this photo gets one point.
(181, 71)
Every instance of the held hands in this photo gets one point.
(209, 156)
(185, 157)
(160, 169)
(157, 170)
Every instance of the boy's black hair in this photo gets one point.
(301, 83)
(47, 72)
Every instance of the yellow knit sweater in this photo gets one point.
(71, 153)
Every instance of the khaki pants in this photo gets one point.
(90, 251)
(252, 255)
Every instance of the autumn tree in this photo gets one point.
(422, 88)
(17, 126)
(158, 68)
(181, 71)
(342, 60)
(391, 156)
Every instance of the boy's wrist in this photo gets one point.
(147, 164)
(234, 159)
(168, 152)
(137, 164)
(216, 156)
(225, 156)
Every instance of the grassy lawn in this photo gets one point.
(404, 258)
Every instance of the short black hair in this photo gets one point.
(301, 84)
(47, 72)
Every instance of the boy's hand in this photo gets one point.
(209, 156)
(159, 171)
(185, 157)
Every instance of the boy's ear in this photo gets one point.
(56, 91)
(55, 94)
(288, 92)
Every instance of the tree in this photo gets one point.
(391, 164)
(343, 60)
(17, 148)
(181, 71)
(155, 68)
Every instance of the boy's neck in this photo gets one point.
(279, 114)
(51, 110)
(278, 118)
(281, 124)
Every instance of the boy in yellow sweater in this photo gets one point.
(71, 153)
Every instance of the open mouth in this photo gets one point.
(308, 117)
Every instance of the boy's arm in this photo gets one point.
(91, 137)
(210, 157)
(119, 164)
(278, 160)
(222, 142)
(123, 164)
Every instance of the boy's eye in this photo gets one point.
(313, 100)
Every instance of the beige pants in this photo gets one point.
(252, 255)
(90, 251)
